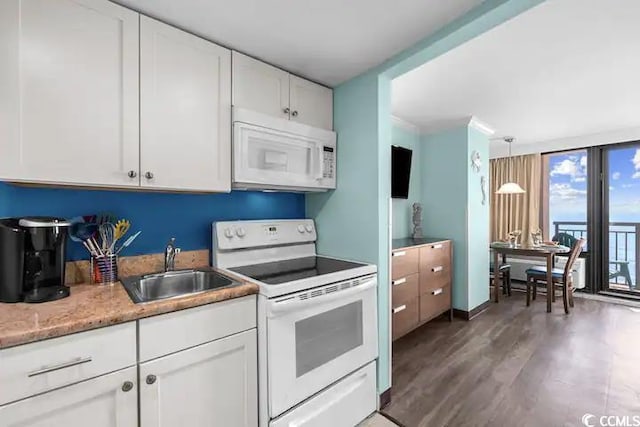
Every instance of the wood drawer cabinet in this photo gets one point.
(404, 263)
(405, 318)
(421, 283)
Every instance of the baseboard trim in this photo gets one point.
(385, 398)
(469, 315)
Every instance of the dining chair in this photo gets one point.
(561, 278)
(504, 270)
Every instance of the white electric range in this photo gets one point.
(317, 323)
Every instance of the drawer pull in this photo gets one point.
(399, 253)
(437, 269)
(438, 246)
(399, 281)
(47, 369)
(437, 291)
(399, 309)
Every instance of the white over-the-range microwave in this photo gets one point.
(271, 153)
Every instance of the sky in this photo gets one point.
(568, 186)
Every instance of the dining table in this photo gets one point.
(545, 251)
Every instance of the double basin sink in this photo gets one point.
(172, 284)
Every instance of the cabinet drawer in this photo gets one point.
(434, 303)
(434, 277)
(168, 333)
(405, 317)
(404, 289)
(34, 368)
(435, 254)
(404, 262)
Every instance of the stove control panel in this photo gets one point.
(255, 234)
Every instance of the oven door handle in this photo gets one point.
(277, 308)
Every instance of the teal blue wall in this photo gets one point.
(444, 197)
(353, 220)
(402, 208)
(478, 223)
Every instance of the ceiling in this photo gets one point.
(328, 41)
(561, 69)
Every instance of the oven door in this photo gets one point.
(317, 337)
(269, 158)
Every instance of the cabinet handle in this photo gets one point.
(399, 309)
(294, 113)
(437, 269)
(286, 110)
(132, 174)
(437, 291)
(399, 253)
(399, 281)
(439, 246)
(47, 369)
(151, 379)
(127, 386)
(148, 175)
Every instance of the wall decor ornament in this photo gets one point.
(476, 161)
(417, 221)
(483, 187)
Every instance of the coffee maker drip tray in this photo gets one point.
(48, 293)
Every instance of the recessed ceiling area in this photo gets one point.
(562, 69)
(328, 41)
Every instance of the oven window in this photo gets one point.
(326, 336)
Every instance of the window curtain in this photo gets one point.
(515, 211)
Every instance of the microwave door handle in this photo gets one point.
(319, 173)
(278, 308)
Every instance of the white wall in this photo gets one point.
(501, 149)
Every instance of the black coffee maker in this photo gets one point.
(32, 259)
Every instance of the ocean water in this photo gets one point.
(622, 247)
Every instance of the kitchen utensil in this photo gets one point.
(85, 232)
(107, 233)
(105, 218)
(122, 227)
(73, 233)
(128, 242)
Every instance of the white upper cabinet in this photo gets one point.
(260, 87)
(310, 103)
(269, 90)
(185, 110)
(69, 92)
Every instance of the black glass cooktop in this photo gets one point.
(275, 273)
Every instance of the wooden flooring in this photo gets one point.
(519, 366)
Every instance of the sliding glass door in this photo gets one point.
(621, 218)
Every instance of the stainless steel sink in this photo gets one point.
(174, 284)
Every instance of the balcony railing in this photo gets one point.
(624, 242)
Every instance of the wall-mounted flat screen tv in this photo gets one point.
(400, 172)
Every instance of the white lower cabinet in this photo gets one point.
(107, 401)
(213, 384)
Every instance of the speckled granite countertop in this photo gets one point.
(94, 306)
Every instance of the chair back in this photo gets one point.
(573, 255)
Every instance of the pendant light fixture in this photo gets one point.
(510, 187)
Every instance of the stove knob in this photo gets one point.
(301, 228)
(240, 232)
(309, 228)
(228, 233)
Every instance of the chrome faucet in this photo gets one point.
(170, 253)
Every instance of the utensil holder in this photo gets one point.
(104, 269)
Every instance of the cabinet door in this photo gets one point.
(69, 92)
(214, 384)
(100, 402)
(260, 87)
(185, 110)
(311, 103)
